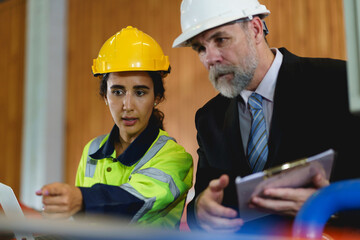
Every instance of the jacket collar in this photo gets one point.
(136, 149)
(287, 74)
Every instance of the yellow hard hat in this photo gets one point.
(130, 50)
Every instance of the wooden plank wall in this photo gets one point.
(12, 48)
(305, 27)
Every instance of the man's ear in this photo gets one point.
(257, 28)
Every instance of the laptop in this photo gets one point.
(12, 209)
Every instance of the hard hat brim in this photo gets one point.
(183, 39)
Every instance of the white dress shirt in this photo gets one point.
(266, 89)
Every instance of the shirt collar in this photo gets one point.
(136, 149)
(266, 87)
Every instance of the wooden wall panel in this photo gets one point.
(305, 27)
(12, 41)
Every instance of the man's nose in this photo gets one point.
(211, 57)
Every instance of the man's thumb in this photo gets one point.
(220, 183)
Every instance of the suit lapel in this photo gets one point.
(287, 73)
(275, 137)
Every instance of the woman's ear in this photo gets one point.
(157, 101)
(106, 101)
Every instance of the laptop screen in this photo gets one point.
(11, 208)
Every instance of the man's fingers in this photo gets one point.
(282, 207)
(291, 194)
(223, 225)
(283, 200)
(211, 222)
(211, 215)
(219, 184)
(320, 181)
(215, 209)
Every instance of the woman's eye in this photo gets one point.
(139, 93)
(118, 92)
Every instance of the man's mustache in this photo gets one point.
(220, 70)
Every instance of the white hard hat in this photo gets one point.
(198, 16)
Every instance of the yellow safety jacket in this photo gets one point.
(148, 182)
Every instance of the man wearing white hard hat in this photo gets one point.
(273, 107)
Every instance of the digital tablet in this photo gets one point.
(293, 174)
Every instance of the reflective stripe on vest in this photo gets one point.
(163, 177)
(148, 202)
(91, 163)
(152, 152)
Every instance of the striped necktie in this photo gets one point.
(257, 150)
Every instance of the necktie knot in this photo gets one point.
(255, 101)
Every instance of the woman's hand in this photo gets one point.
(60, 200)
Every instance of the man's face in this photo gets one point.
(229, 54)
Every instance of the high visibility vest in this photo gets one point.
(161, 178)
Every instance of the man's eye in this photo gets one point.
(201, 49)
(198, 49)
(220, 41)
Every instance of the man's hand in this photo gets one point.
(287, 201)
(211, 215)
(60, 200)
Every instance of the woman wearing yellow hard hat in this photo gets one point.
(137, 170)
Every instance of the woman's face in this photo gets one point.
(130, 96)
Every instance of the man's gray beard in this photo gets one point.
(242, 74)
(233, 87)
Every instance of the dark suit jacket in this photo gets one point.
(310, 115)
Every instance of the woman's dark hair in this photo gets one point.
(157, 116)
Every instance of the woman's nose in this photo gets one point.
(127, 102)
